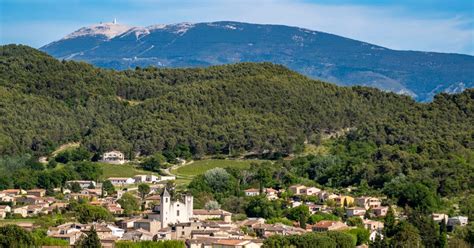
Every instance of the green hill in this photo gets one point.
(228, 109)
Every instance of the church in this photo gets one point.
(172, 212)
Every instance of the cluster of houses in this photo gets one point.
(27, 203)
(167, 219)
(122, 181)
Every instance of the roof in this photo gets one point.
(209, 212)
(231, 242)
(166, 193)
(326, 223)
(119, 178)
(36, 190)
(252, 190)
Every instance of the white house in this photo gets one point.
(117, 232)
(172, 212)
(140, 178)
(121, 180)
(167, 178)
(355, 211)
(113, 157)
(252, 192)
(83, 183)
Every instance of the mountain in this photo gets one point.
(316, 54)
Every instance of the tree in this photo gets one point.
(355, 221)
(86, 213)
(362, 235)
(15, 237)
(154, 163)
(75, 187)
(144, 190)
(443, 239)
(389, 223)
(108, 187)
(212, 205)
(218, 179)
(300, 213)
(91, 240)
(260, 206)
(406, 235)
(379, 242)
(129, 203)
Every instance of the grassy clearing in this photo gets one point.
(15, 221)
(201, 166)
(122, 170)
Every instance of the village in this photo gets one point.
(167, 215)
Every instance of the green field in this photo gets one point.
(122, 170)
(184, 174)
(15, 221)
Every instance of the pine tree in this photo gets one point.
(91, 240)
(443, 240)
(389, 223)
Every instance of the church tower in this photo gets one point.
(188, 201)
(165, 208)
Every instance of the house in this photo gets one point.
(167, 178)
(84, 184)
(116, 231)
(343, 200)
(13, 192)
(355, 211)
(456, 221)
(148, 225)
(329, 225)
(4, 209)
(297, 189)
(93, 192)
(33, 210)
(70, 237)
(203, 214)
(272, 194)
(368, 202)
(121, 180)
(36, 192)
(235, 243)
(152, 200)
(267, 230)
(127, 223)
(7, 198)
(440, 217)
(172, 212)
(23, 211)
(312, 191)
(139, 178)
(138, 235)
(380, 211)
(113, 157)
(252, 192)
(373, 225)
(29, 199)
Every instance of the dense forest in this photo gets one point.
(236, 109)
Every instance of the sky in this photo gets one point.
(423, 25)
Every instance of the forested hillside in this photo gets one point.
(234, 109)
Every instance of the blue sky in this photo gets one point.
(426, 25)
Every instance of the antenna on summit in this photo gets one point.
(115, 21)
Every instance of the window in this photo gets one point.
(166, 200)
(177, 213)
(182, 233)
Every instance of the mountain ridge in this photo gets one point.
(320, 55)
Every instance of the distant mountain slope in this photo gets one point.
(316, 54)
